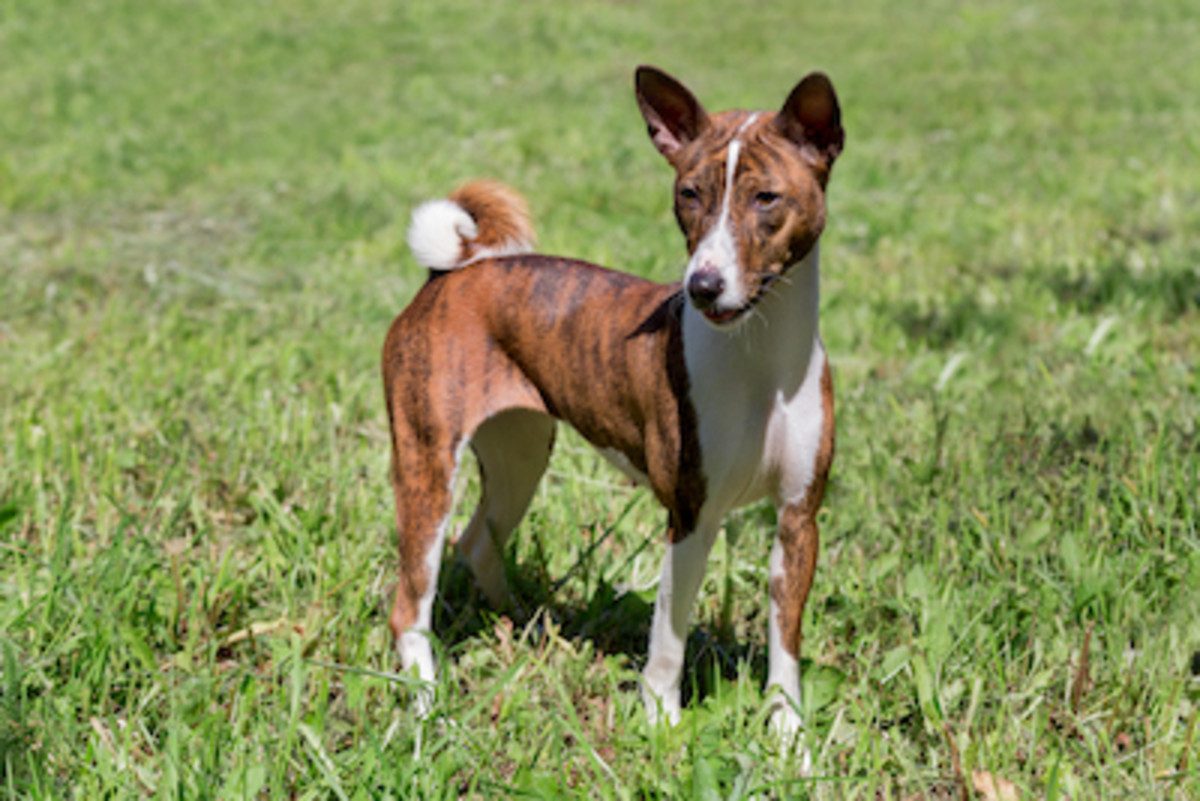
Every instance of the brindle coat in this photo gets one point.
(490, 353)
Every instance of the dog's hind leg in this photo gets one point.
(513, 449)
(423, 503)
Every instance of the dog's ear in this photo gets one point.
(811, 118)
(673, 115)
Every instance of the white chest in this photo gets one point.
(757, 395)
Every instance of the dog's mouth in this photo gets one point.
(724, 317)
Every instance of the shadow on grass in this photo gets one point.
(615, 622)
(941, 327)
(1176, 291)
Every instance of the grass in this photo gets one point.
(202, 209)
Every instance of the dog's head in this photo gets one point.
(749, 186)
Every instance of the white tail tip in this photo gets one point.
(480, 219)
(437, 231)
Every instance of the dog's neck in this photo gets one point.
(771, 350)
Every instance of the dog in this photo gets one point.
(713, 392)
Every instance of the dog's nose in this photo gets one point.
(704, 287)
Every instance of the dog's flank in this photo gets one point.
(478, 220)
(570, 339)
(714, 392)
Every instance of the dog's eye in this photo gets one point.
(766, 200)
(689, 194)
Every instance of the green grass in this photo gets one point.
(202, 211)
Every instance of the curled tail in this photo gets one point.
(478, 220)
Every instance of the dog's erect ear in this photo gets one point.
(812, 119)
(673, 115)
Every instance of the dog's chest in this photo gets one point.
(758, 439)
(759, 407)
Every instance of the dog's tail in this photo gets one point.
(478, 220)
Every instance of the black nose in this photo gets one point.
(704, 287)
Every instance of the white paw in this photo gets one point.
(662, 703)
(788, 728)
(415, 650)
(423, 701)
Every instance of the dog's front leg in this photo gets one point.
(793, 560)
(682, 573)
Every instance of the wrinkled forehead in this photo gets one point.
(710, 150)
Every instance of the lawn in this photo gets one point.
(202, 217)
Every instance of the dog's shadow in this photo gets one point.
(614, 622)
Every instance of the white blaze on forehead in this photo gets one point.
(718, 250)
(731, 162)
